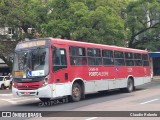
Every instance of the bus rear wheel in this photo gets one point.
(44, 99)
(76, 93)
(130, 85)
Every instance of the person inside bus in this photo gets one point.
(73, 61)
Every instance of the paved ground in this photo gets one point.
(145, 98)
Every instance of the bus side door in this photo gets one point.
(60, 69)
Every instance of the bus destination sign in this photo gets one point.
(31, 44)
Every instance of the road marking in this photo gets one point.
(16, 98)
(5, 94)
(20, 100)
(148, 101)
(27, 99)
(10, 101)
(91, 118)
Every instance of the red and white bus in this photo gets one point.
(53, 68)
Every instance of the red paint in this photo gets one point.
(88, 72)
(28, 85)
(83, 71)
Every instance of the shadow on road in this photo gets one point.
(92, 98)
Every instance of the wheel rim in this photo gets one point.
(2, 87)
(130, 85)
(76, 92)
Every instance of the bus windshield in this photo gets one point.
(31, 63)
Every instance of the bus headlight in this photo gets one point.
(13, 84)
(45, 82)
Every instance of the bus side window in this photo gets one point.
(145, 60)
(119, 58)
(59, 59)
(129, 59)
(107, 57)
(94, 56)
(77, 56)
(138, 59)
(73, 61)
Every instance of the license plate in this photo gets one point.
(26, 93)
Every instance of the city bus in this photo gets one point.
(50, 68)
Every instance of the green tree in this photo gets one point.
(87, 20)
(6, 50)
(20, 15)
(143, 22)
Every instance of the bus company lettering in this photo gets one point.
(92, 69)
(95, 72)
(98, 73)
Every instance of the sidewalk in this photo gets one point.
(156, 78)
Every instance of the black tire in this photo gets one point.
(76, 93)
(45, 99)
(130, 85)
(2, 87)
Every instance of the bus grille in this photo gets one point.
(31, 87)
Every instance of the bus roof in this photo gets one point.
(80, 43)
(87, 44)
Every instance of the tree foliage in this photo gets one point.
(22, 14)
(129, 23)
(19, 15)
(144, 24)
(86, 20)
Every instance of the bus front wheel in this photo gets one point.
(76, 93)
(44, 99)
(2, 87)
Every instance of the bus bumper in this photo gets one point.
(43, 92)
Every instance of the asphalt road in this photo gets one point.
(145, 98)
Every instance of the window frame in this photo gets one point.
(97, 61)
(129, 60)
(138, 59)
(145, 60)
(77, 59)
(111, 57)
(117, 59)
(60, 66)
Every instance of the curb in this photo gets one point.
(156, 78)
